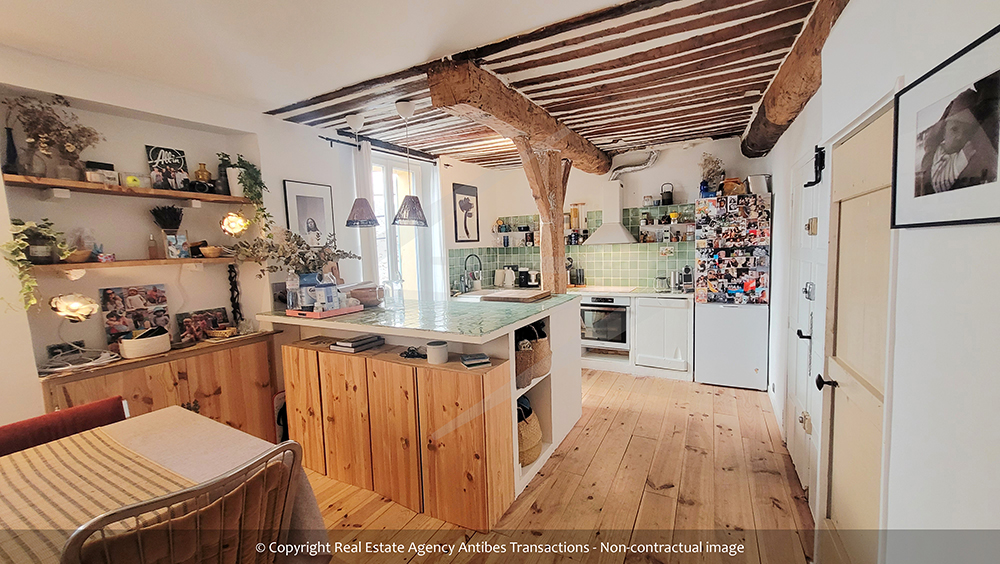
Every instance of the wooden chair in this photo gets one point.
(58, 424)
(220, 521)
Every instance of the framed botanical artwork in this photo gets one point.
(309, 211)
(466, 201)
(946, 141)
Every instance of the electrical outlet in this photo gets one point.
(59, 348)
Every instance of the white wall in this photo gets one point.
(283, 150)
(506, 192)
(942, 405)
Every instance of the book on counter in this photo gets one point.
(358, 347)
(356, 340)
(475, 360)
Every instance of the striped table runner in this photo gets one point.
(48, 491)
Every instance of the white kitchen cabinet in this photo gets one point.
(663, 333)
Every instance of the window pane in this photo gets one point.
(378, 203)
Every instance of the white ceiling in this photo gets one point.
(262, 54)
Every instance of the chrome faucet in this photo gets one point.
(467, 277)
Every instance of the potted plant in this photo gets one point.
(49, 128)
(33, 243)
(291, 253)
(245, 180)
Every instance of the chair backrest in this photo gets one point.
(58, 424)
(220, 521)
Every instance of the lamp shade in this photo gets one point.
(74, 307)
(362, 214)
(410, 213)
(355, 122)
(234, 224)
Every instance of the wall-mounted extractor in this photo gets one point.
(611, 230)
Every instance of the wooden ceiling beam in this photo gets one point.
(463, 89)
(795, 84)
(738, 13)
(614, 128)
(692, 100)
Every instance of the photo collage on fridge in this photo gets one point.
(733, 249)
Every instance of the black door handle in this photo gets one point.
(820, 382)
(798, 332)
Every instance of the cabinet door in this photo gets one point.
(662, 333)
(344, 388)
(453, 457)
(303, 404)
(392, 407)
(144, 389)
(247, 396)
(205, 377)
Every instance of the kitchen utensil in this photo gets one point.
(437, 352)
(522, 277)
(675, 280)
(508, 278)
(498, 277)
(647, 201)
(211, 251)
(661, 284)
(533, 278)
(518, 296)
(666, 195)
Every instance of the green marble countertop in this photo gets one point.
(451, 320)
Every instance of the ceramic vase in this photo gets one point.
(235, 188)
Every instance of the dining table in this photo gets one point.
(48, 491)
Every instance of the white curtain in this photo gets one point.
(363, 189)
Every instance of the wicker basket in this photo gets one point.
(221, 333)
(529, 440)
(534, 362)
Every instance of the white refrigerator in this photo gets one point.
(732, 290)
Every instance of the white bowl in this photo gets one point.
(136, 348)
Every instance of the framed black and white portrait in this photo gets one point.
(946, 141)
(309, 211)
(466, 201)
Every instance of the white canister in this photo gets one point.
(437, 352)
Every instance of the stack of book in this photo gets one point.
(475, 360)
(357, 343)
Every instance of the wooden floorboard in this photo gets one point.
(650, 460)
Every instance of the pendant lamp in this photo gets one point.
(361, 212)
(410, 213)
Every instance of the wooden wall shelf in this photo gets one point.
(64, 266)
(116, 190)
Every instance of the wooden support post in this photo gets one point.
(548, 174)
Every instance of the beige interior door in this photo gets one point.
(857, 313)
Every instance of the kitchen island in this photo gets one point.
(325, 391)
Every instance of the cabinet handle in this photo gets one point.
(798, 333)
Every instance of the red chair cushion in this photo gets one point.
(58, 424)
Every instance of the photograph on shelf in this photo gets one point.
(192, 325)
(167, 168)
(466, 201)
(177, 245)
(309, 211)
(133, 308)
(946, 141)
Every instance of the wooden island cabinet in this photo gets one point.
(436, 439)
(231, 382)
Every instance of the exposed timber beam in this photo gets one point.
(463, 89)
(548, 174)
(797, 81)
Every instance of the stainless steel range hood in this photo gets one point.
(611, 230)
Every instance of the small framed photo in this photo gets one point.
(309, 211)
(177, 245)
(946, 141)
(466, 201)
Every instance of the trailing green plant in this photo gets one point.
(25, 233)
(253, 187)
(289, 252)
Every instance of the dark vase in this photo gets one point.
(10, 155)
(222, 182)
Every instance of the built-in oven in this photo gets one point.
(604, 322)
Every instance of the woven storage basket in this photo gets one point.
(529, 440)
(534, 362)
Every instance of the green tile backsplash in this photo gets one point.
(604, 265)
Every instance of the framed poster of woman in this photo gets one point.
(309, 211)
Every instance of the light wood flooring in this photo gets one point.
(651, 460)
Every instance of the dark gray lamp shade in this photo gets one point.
(361, 214)
(410, 213)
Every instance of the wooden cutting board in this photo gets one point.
(520, 296)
